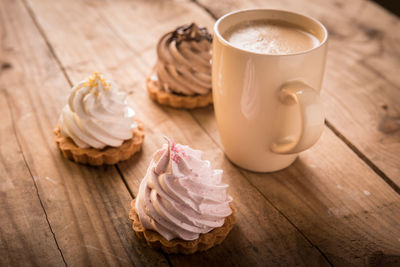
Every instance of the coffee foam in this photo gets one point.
(270, 37)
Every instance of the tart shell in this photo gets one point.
(204, 242)
(176, 101)
(96, 157)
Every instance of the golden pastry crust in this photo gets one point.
(204, 242)
(176, 101)
(97, 157)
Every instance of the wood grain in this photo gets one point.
(360, 89)
(20, 205)
(341, 249)
(328, 205)
(128, 43)
(125, 50)
(86, 207)
(333, 198)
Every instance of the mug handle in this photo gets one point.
(311, 115)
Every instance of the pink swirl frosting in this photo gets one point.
(181, 196)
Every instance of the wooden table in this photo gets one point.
(338, 204)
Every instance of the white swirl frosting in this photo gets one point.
(181, 196)
(97, 114)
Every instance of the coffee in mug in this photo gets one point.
(267, 70)
(270, 37)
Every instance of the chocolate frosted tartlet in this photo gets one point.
(181, 77)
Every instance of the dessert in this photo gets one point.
(181, 77)
(181, 206)
(97, 126)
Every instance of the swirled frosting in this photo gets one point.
(181, 196)
(97, 114)
(184, 61)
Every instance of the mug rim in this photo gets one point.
(225, 42)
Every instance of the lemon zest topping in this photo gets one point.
(93, 81)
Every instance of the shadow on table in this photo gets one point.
(237, 250)
(378, 258)
(331, 212)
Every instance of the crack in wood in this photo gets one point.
(364, 158)
(372, 34)
(125, 183)
(49, 46)
(205, 9)
(287, 218)
(30, 172)
(63, 70)
(265, 197)
(118, 170)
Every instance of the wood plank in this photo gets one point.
(360, 89)
(335, 248)
(261, 235)
(124, 48)
(332, 197)
(344, 209)
(86, 207)
(20, 205)
(342, 249)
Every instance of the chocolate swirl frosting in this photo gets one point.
(184, 57)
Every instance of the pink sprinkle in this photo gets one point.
(176, 158)
(173, 146)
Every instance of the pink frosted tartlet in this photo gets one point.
(182, 206)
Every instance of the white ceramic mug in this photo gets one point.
(267, 106)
